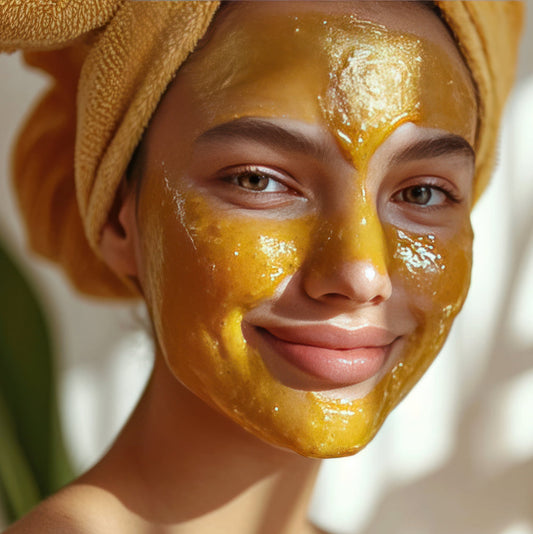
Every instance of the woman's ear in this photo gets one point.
(119, 235)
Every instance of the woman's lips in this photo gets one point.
(336, 356)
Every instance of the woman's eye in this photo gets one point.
(423, 195)
(255, 187)
(257, 181)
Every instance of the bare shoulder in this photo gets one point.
(76, 509)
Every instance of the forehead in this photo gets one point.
(418, 17)
(283, 26)
(360, 68)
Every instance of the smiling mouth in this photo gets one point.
(328, 357)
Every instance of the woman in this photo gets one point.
(296, 217)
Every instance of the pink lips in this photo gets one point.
(333, 355)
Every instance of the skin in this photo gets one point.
(331, 239)
(228, 233)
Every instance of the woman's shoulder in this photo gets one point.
(86, 509)
(76, 509)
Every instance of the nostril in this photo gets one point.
(378, 299)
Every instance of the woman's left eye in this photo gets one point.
(256, 180)
(425, 195)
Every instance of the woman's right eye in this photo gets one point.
(255, 187)
(256, 180)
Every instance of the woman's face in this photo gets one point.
(304, 240)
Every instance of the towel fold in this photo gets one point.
(111, 60)
(49, 23)
(488, 33)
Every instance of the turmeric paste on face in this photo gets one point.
(222, 259)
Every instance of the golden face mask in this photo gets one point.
(304, 220)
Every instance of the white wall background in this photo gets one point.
(455, 457)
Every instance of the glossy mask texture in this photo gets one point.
(391, 78)
(207, 266)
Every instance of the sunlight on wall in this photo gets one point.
(518, 528)
(521, 320)
(91, 421)
(516, 430)
(507, 432)
(520, 145)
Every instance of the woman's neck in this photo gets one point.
(181, 465)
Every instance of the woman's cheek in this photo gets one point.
(213, 266)
(434, 270)
(233, 260)
(433, 274)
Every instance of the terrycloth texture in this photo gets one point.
(48, 23)
(488, 33)
(127, 60)
(80, 138)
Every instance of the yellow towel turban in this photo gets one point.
(111, 60)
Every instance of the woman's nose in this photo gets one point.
(349, 263)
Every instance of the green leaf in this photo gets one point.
(31, 445)
(18, 482)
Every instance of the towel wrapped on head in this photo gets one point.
(111, 61)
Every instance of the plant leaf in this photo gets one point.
(31, 440)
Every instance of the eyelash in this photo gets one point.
(233, 175)
(451, 194)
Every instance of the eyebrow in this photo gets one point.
(278, 137)
(265, 132)
(435, 147)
